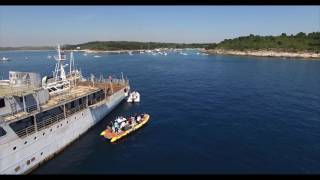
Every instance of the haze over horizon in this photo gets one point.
(49, 25)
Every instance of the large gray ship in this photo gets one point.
(41, 116)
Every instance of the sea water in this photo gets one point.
(209, 114)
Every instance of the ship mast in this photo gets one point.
(60, 66)
(71, 63)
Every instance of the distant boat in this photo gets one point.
(165, 53)
(205, 54)
(185, 54)
(5, 59)
(26, 58)
(130, 53)
(85, 54)
(198, 53)
(96, 56)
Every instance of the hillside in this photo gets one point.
(300, 42)
(130, 45)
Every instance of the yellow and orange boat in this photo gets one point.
(107, 133)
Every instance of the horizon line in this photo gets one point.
(149, 41)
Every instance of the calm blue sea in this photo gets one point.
(209, 114)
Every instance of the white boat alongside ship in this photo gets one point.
(40, 116)
(134, 97)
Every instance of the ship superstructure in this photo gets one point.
(41, 116)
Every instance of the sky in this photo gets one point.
(49, 25)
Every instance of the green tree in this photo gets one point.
(301, 34)
(299, 42)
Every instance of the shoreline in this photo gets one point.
(27, 50)
(106, 51)
(265, 53)
(102, 51)
(120, 51)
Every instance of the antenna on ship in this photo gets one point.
(122, 77)
(72, 69)
(59, 66)
(71, 62)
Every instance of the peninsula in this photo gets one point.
(300, 45)
(105, 46)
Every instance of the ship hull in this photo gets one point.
(44, 144)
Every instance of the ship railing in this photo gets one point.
(116, 81)
(13, 114)
(25, 132)
(49, 121)
(113, 80)
(91, 102)
(94, 101)
(32, 108)
(29, 109)
(69, 112)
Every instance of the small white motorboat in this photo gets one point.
(5, 59)
(134, 97)
(96, 56)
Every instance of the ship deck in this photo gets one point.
(7, 90)
(82, 89)
(70, 95)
